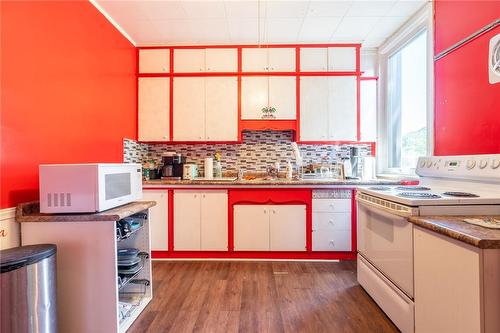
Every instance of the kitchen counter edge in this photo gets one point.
(265, 183)
(454, 227)
(30, 212)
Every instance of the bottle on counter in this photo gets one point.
(217, 166)
(289, 170)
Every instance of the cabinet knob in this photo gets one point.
(331, 221)
(203, 195)
(274, 212)
(265, 211)
(331, 242)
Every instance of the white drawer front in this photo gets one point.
(331, 221)
(331, 205)
(396, 305)
(331, 240)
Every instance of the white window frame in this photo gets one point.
(422, 20)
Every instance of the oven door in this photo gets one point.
(385, 239)
(118, 185)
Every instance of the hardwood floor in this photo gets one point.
(231, 296)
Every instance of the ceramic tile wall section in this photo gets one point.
(257, 150)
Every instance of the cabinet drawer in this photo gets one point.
(331, 205)
(331, 240)
(331, 221)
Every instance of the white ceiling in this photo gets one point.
(150, 22)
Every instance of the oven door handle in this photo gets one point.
(386, 206)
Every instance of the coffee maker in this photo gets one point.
(173, 166)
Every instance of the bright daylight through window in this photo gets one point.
(407, 104)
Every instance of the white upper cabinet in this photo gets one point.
(221, 109)
(313, 108)
(189, 109)
(276, 91)
(282, 92)
(189, 60)
(221, 60)
(254, 96)
(342, 59)
(268, 60)
(328, 108)
(281, 59)
(153, 108)
(342, 115)
(205, 109)
(314, 59)
(254, 60)
(205, 60)
(154, 61)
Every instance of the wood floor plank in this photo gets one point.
(273, 297)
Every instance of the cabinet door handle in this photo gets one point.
(333, 244)
(331, 221)
(274, 212)
(203, 195)
(265, 211)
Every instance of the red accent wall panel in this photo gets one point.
(455, 20)
(68, 91)
(467, 106)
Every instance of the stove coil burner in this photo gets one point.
(379, 188)
(413, 188)
(461, 194)
(418, 195)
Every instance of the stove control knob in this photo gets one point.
(422, 163)
(495, 164)
(471, 164)
(429, 163)
(483, 164)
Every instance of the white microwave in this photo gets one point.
(88, 188)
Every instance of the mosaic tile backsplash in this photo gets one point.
(257, 150)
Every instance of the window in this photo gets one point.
(407, 104)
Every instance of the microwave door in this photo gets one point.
(118, 186)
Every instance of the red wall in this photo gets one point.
(68, 91)
(467, 106)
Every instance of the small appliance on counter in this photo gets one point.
(173, 166)
(190, 171)
(88, 188)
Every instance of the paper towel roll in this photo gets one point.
(209, 168)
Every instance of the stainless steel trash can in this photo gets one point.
(28, 289)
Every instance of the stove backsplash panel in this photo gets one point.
(257, 150)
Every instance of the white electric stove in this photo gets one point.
(449, 185)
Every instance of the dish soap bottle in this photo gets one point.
(217, 166)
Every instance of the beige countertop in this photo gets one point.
(30, 212)
(456, 228)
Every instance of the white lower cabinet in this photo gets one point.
(448, 283)
(251, 228)
(158, 218)
(200, 220)
(287, 228)
(331, 222)
(269, 227)
(214, 221)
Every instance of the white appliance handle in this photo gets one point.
(386, 206)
